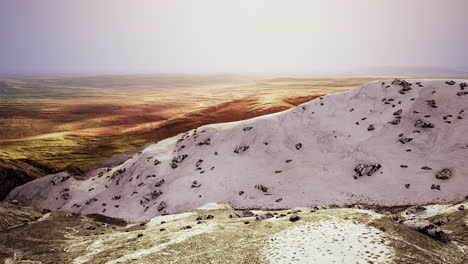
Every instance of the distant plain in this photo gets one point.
(83, 120)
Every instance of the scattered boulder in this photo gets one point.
(444, 174)
(367, 169)
(176, 160)
(241, 214)
(441, 221)
(371, 127)
(405, 140)
(89, 227)
(261, 188)
(463, 86)
(264, 216)
(204, 142)
(450, 83)
(162, 206)
(185, 228)
(241, 148)
(461, 207)
(294, 218)
(435, 187)
(395, 121)
(423, 124)
(298, 146)
(195, 184)
(426, 168)
(159, 183)
(204, 217)
(59, 179)
(431, 103)
(427, 228)
(247, 128)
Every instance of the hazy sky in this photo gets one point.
(235, 36)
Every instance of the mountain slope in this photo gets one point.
(14, 173)
(402, 134)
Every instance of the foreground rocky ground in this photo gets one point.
(216, 234)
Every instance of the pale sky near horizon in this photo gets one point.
(238, 36)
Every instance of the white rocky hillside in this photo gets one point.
(387, 143)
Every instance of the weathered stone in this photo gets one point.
(444, 174)
(261, 188)
(204, 217)
(423, 124)
(441, 221)
(241, 148)
(162, 206)
(89, 227)
(241, 214)
(427, 228)
(431, 103)
(294, 218)
(59, 179)
(264, 216)
(367, 169)
(405, 140)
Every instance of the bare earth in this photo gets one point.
(80, 121)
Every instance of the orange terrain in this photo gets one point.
(81, 121)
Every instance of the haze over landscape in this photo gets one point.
(249, 131)
(298, 37)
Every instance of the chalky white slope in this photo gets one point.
(305, 156)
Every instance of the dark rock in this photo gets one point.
(395, 121)
(444, 174)
(159, 183)
(241, 214)
(367, 169)
(435, 187)
(185, 228)
(278, 200)
(162, 206)
(423, 124)
(247, 128)
(298, 146)
(294, 218)
(398, 112)
(431, 103)
(89, 227)
(59, 179)
(403, 166)
(371, 127)
(241, 192)
(407, 186)
(461, 207)
(426, 168)
(427, 228)
(450, 83)
(264, 216)
(261, 188)
(241, 148)
(441, 221)
(195, 184)
(204, 142)
(405, 140)
(204, 217)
